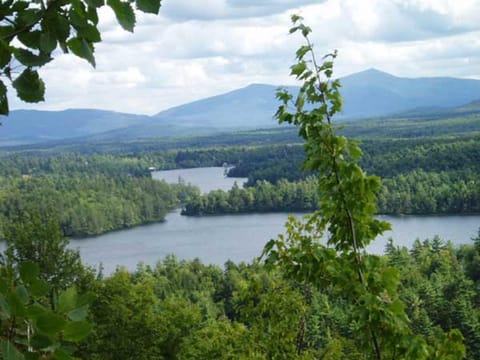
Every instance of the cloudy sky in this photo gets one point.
(200, 48)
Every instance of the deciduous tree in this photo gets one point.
(31, 31)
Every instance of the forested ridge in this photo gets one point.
(420, 176)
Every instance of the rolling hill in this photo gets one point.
(367, 94)
(32, 126)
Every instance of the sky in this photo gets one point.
(200, 48)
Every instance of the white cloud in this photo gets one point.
(198, 48)
(217, 9)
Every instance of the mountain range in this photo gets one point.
(370, 93)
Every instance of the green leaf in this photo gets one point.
(20, 5)
(149, 6)
(302, 51)
(59, 26)
(3, 284)
(61, 354)
(95, 3)
(6, 31)
(29, 271)
(28, 58)
(4, 307)
(10, 352)
(29, 86)
(34, 311)
(22, 293)
(50, 324)
(30, 38)
(85, 299)
(79, 313)
(40, 341)
(124, 13)
(77, 330)
(295, 18)
(32, 356)
(299, 68)
(16, 304)
(67, 300)
(82, 49)
(5, 54)
(3, 102)
(92, 15)
(39, 288)
(305, 30)
(48, 42)
(90, 33)
(29, 17)
(77, 19)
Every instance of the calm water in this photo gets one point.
(207, 179)
(217, 239)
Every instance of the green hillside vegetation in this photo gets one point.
(88, 205)
(463, 120)
(421, 176)
(187, 310)
(92, 192)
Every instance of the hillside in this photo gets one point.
(31, 126)
(370, 93)
(376, 93)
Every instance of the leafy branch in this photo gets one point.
(347, 207)
(30, 328)
(40, 27)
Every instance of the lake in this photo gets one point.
(216, 239)
(207, 178)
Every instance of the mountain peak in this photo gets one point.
(370, 74)
(370, 93)
(373, 71)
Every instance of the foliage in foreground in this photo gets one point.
(347, 206)
(188, 310)
(41, 310)
(31, 31)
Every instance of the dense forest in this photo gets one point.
(420, 176)
(90, 194)
(96, 193)
(415, 192)
(189, 310)
(92, 204)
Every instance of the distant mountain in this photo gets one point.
(370, 93)
(30, 126)
(251, 107)
(376, 93)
